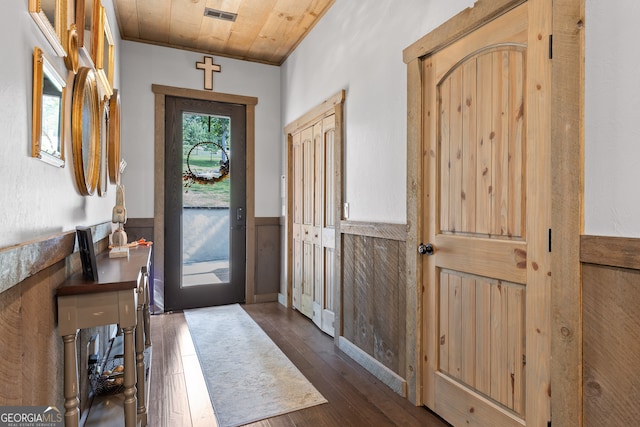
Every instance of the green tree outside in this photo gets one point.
(198, 128)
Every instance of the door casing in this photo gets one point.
(332, 106)
(566, 174)
(160, 93)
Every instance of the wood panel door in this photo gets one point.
(486, 213)
(313, 243)
(323, 303)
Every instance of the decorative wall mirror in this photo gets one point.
(51, 17)
(71, 60)
(85, 131)
(86, 20)
(49, 88)
(105, 53)
(103, 179)
(114, 138)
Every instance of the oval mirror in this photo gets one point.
(85, 131)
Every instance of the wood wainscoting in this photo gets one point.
(32, 354)
(374, 299)
(267, 265)
(267, 256)
(611, 330)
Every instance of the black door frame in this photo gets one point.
(177, 296)
(161, 92)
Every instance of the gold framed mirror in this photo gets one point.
(86, 19)
(85, 131)
(71, 60)
(114, 138)
(48, 118)
(105, 53)
(103, 178)
(51, 17)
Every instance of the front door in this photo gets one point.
(486, 206)
(205, 199)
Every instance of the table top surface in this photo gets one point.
(114, 274)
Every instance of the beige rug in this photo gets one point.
(247, 375)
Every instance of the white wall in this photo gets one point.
(145, 65)
(36, 199)
(358, 46)
(612, 118)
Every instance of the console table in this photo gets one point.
(120, 296)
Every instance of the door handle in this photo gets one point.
(427, 249)
(239, 214)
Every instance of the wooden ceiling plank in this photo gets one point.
(266, 31)
(127, 17)
(185, 23)
(280, 25)
(308, 18)
(251, 16)
(154, 19)
(214, 33)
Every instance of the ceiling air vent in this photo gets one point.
(219, 14)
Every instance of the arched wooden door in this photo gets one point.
(486, 215)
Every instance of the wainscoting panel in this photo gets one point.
(373, 290)
(139, 228)
(267, 275)
(611, 331)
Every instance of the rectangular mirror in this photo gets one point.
(47, 139)
(105, 54)
(51, 17)
(87, 16)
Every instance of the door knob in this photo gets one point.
(427, 249)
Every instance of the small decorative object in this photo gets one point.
(209, 67)
(87, 254)
(119, 216)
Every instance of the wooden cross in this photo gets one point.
(209, 67)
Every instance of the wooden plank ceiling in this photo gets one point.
(265, 31)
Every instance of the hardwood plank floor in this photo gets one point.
(179, 397)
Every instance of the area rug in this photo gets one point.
(248, 377)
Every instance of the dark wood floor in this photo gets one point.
(179, 398)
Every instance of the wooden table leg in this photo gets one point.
(140, 383)
(147, 317)
(130, 417)
(71, 401)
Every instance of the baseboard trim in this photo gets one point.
(282, 299)
(377, 369)
(265, 298)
